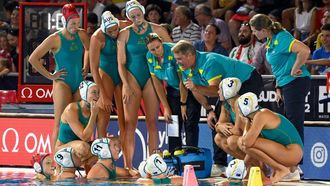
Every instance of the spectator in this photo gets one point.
(248, 46)
(243, 14)
(9, 7)
(96, 7)
(91, 23)
(224, 9)
(305, 21)
(14, 18)
(12, 37)
(210, 43)
(186, 29)
(203, 15)
(325, 20)
(260, 62)
(323, 52)
(154, 13)
(4, 66)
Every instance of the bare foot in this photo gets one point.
(279, 174)
(133, 172)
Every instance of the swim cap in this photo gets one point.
(36, 161)
(83, 88)
(130, 5)
(69, 12)
(230, 87)
(236, 169)
(108, 20)
(101, 148)
(156, 165)
(248, 103)
(142, 169)
(63, 157)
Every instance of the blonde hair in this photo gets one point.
(262, 21)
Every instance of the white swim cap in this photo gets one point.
(230, 87)
(63, 157)
(156, 165)
(248, 103)
(108, 20)
(142, 169)
(101, 148)
(83, 88)
(236, 169)
(132, 4)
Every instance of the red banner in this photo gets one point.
(22, 137)
(35, 93)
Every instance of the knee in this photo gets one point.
(232, 142)
(218, 140)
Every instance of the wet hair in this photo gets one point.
(262, 21)
(204, 9)
(152, 37)
(92, 18)
(326, 27)
(184, 47)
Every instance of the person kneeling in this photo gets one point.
(269, 137)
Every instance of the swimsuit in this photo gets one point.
(136, 51)
(70, 58)
(66, 134)
(108, 59)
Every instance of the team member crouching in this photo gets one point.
(155, 171)
(269, 138)
(107, 150)
(229, 126)
(43, 166)
(77, 124)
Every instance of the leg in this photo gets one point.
(109, 89)
(219, 156)
(151, 105)
(191, 125)
(276, 155)
(233, 147)
(121, 119)
(173, 99)
(62, 96)
(131, 110)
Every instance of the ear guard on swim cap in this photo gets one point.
(108, 20)
(230, 87)
(36, 161)
(142, 169)
(101, 148)
(68, 11)
(156, 165)
(83, 88)
(130, 5)
(63, 157)
(248, 103)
